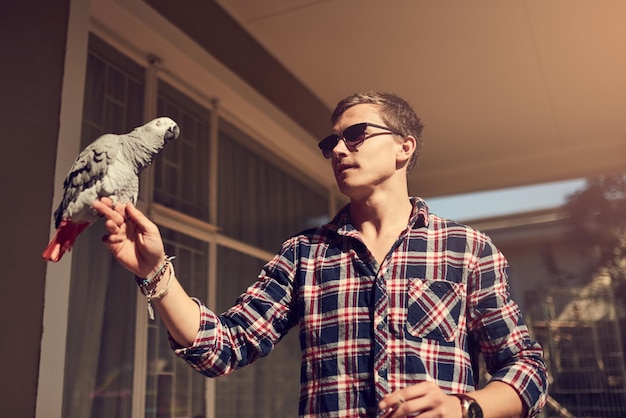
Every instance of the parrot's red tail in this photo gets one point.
(63, 240)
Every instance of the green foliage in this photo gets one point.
(597, 214)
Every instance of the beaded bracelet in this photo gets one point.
(161, 294)
(148, 286)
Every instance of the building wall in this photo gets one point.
(32, 41)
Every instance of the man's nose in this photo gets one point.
(341, 147)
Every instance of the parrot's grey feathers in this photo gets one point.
(88, 170)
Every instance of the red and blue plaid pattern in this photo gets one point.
(369, 329)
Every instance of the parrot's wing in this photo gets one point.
(88, 170)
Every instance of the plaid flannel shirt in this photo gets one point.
(368, 329)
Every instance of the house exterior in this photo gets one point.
(76, 338)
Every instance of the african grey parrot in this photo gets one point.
(109, 166)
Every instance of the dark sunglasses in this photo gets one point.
(353, 136)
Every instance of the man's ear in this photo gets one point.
(409, 144)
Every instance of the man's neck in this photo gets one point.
(381, 213)
(380, 222)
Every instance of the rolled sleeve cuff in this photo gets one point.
(205, 338)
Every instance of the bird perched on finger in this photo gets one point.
(108, 167)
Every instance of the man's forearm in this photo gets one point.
(180, 314)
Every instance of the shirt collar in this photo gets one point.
(342, 224)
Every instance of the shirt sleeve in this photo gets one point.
(511, 356)
(247, 331)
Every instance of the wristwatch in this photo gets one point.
(470, 407)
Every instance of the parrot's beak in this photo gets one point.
(172, 133)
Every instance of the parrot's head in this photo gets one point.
(155, 134)
(166, 127)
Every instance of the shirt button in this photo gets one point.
(380, 322)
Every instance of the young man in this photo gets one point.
(387, 296)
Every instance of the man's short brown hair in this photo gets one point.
(395, 112)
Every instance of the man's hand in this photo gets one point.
(133, 239)
(424, 399)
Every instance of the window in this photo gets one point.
(259, 201)
(181, 176)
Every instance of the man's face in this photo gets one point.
(362, 170)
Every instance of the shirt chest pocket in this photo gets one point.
(433, 309)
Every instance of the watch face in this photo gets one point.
(474, 411)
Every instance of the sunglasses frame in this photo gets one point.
(330, 142)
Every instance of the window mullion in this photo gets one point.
(145, 200)
(211, 296)
(146, 190)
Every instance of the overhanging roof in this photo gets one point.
(511, 92)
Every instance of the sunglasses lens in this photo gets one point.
(327, 145)
(355, 134)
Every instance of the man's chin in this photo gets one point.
(350, 189)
